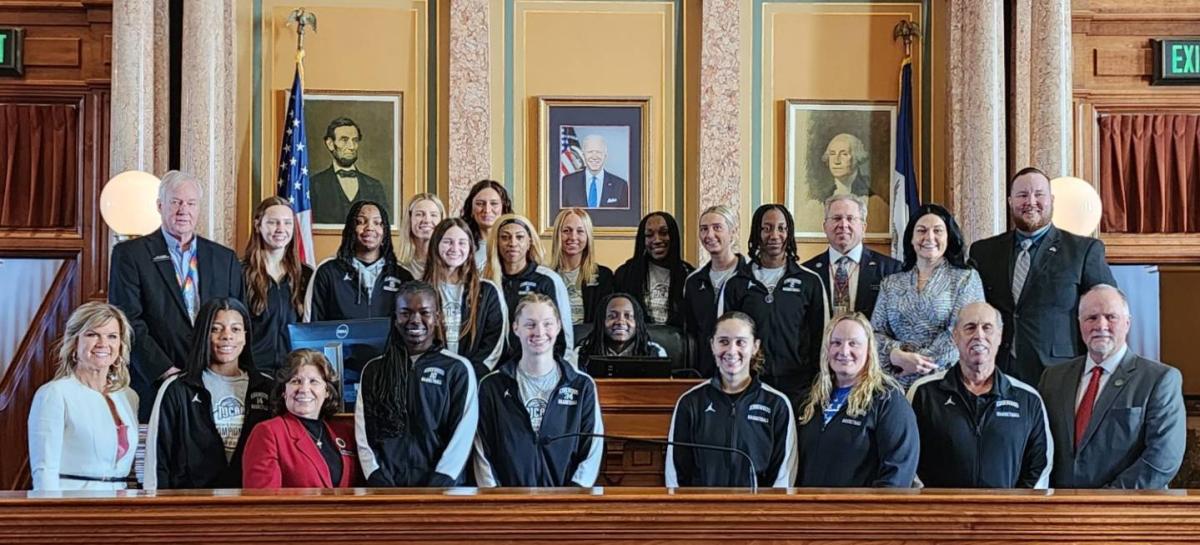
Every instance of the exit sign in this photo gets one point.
(1176, 61)
(11, 43)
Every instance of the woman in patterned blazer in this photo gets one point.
(917, 307)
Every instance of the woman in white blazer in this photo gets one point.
(83, 424)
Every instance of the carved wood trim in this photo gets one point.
(625, 515)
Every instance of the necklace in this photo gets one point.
(319, 438)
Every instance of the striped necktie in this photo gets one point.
(1021, 269)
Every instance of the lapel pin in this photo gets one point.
(1119, 382)
(819, 265)
(1053, 249)
(158, 258)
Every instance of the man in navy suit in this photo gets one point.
(1118, 419)
(1034, 275)
(851, 271)
(160, 280)
(594, 187)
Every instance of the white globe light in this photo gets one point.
(1077, 207)
(128, 203)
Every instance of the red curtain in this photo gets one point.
(39, 165)
(1150, 173)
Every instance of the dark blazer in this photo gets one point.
(142, 283)
(1043, 324)
(614, 194)
(329, 202)
(1138, 429)
(872, 268)
(281, 454)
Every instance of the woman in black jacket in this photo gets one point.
(365, 256)
(417, 405)
(856, 429)
(572, 257)
(538, 417)
(656, 273)
(276, 282)
(203, 415)
(473, 309)
(734, 409)
(515, 261)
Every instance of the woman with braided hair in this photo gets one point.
(417, 408)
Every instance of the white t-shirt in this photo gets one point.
(658, 294)
(451, 313)
(228, 406)
(718, 278)
(481, 255)
(769, 277)
(575, 294)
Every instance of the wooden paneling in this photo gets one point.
(32, 367)
(53, 52)
(627, 515)
(68, 61)
(1112, 70)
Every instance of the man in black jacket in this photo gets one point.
(1035, 275)
(852, 272)
(980, 428)
(160, 280)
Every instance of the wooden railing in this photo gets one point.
(614, 515)
(31, 367)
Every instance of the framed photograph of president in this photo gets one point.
(355, 153)
(839, 147)
(593, 152)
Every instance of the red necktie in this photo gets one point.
(1084, 413)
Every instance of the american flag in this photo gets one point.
(570, 157)
(293, 170)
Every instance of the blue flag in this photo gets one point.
(904, 176)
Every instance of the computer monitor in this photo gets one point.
(628, 367)
(349, 345)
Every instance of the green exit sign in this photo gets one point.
(1176, 61)
(12, 42)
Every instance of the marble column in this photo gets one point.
(470, 107)
(139, 115)
(207, 133)
(976, 115)
(720, 96)
(1050, 146)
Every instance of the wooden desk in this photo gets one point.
(614, 515)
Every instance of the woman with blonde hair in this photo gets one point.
(702, 289)
(424, 212)
(515, 262)
(856, 429)
(276, 282)
(572, 257)
(83, 424)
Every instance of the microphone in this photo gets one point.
(545, 441)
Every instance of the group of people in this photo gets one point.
(849, 369)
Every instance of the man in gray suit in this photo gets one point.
(1117, 418)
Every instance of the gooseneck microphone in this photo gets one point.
(753, 474)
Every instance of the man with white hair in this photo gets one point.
(1117, 418)
(594, 187)
(160, 280)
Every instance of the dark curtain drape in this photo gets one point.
(1150, 173)
(39, 165)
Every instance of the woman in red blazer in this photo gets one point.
(298, 448)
